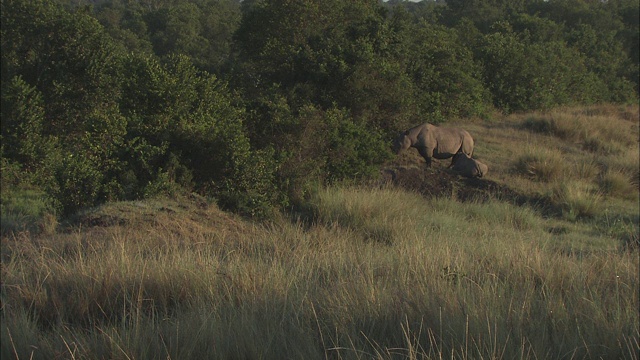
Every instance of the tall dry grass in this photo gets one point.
(365, 274)
(577, 158)
(379, 274)
(605, 131)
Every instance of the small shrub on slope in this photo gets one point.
(577, 199)
(541, 164)
(618, 184)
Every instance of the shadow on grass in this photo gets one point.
(434, 183)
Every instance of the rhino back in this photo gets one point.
(424, 135)
(449, 140)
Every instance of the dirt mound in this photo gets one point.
(189, 210)
(439, 181)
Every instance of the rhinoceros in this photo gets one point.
(468, 167)
(435, 142)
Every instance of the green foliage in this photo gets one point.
(605, 57)
(252, 188)
(125, 22)
(525, 75)
(446, 78)
(122, 99)
(127, 126)
(482, 12)
(78, 183)
(201, 30)
(185, 122)
(329, 146)
(325, 53)
(24, 206)
(353, 150)
(27, 210)
(23, 140)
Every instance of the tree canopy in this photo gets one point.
(251, 102)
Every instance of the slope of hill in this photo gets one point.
(539, 259)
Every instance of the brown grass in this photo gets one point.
(598, 131)
(542, 164)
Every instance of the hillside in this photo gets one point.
(530, 155)
(194, 179)
(128, 100)
(539, 259)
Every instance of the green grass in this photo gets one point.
(365, 273)
(26, 210)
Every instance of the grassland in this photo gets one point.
(539, 260)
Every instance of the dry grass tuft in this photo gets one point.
(617, 183)
(626, 163)
(598, 133)
(541, 164)
(578, 199)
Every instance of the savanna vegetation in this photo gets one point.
(213, 179)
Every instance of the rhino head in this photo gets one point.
(402, 142)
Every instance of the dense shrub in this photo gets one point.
(353, 149)
(190, 127)
(60, 101)
(447, 81)
(97, 125)
(525, 75)
(253, 102)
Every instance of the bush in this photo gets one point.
(446, 79)
(251, 189)
(78, 183)
(27, 210)
(523, 74)
(23, 114)
(326, 146)
(24, 206)
(353, 149)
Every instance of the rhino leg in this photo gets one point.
(454, 159)
(426, 155)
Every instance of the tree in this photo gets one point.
(484, 13)
(185, 128)
(23, 113)
(298, 55)
(124, 20)
(123, 125)
(72, 63)
(606, 59)
(525, 75)
(447, 80)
